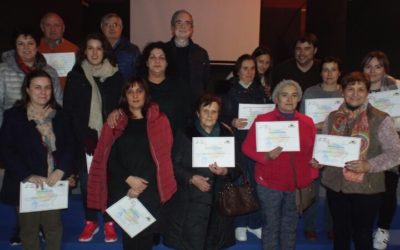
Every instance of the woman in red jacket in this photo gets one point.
(138, 153)
(276, 170)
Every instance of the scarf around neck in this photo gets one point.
(103, 71)
(214, 132)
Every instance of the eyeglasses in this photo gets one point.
(111, 25)
(183, 23)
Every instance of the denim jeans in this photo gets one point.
(279, 211)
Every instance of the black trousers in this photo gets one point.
(353, 218)
(139, 242)
(388, 207)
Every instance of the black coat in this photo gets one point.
(77, 99)
(196, 223)
(24, 154)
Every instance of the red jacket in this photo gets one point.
(278, 174)
(160, 140)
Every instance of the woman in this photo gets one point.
(276, 171)
(196, 222)
(17, 63)
(169, 92)
(264, 68)
(36, 147)
(376, 65)
(354, 192)
(245, 89)
(92, 91)
(138, 152)
(329, 88)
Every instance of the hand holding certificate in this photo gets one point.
(131, 215)
(61, 62)
(250, 112)
(270, 135)
(318, 109)
(332, 150)
(209, 150)
(34, 199)
(387, 101)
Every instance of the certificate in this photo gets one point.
(61, 62)
(131, 215)
(318, 109)
(270, 135)
(387, 101)
(207, 150)
(251, 111)
(33, 199)
(333, 150)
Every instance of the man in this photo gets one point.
(303, 68)
(127, 53)
(52, 26)
(191, 60)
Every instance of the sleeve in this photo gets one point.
(249, 147)
(58, 93)
(115, 168)
(2, 96)
(183, 173)
(67, 154)
(390, 145)
(206, 71)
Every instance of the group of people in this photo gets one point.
(121, 123)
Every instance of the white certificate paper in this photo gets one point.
(251, 111)
(387, 101)
(131, 215)
(318, 109)
(270, 135)
(207, 150)
(333, 150)
(61, 62)
(33, 199)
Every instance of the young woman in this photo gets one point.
(36, 146)
(264, 68)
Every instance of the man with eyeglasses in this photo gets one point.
(191, 61)
(126, 52)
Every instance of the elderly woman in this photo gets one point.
(196, 222)
(36, 146)
(92, 91)
(17, 63)
(376, 65)
(245, 89)
(277, 172)
(138, 154)
(329, 88)
(354, 192)
(264, 68)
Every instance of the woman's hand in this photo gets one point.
(316, 164)
(132, 193)
(37, 180)
(217, 170)
(239, 123)
(54, 177)
(273, 154)
(201, 183)
(113, 118)
(358, 166)
(137, 185)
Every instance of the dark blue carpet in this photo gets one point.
(73, 223)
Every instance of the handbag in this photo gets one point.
(236, 200)
(305, 196)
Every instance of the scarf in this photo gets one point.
(43, 118)
(353, 123)
(214, 132)
(25, 68)
(102, 71)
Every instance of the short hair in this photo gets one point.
(24, 31)
(380, 56)
(48, 14)
(356, 76)
(26, 99)
(307, 38)
(177, 13)
(206, 99)
(108, 16)
(123, 101)
(146, 54)
(107, 49)
(332, 59)
(285, 83)
(239, 62)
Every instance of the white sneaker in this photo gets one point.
(241, 234)
(381, 239)
(256, 232)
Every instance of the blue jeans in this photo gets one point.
(279, 209)
(252, 220)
